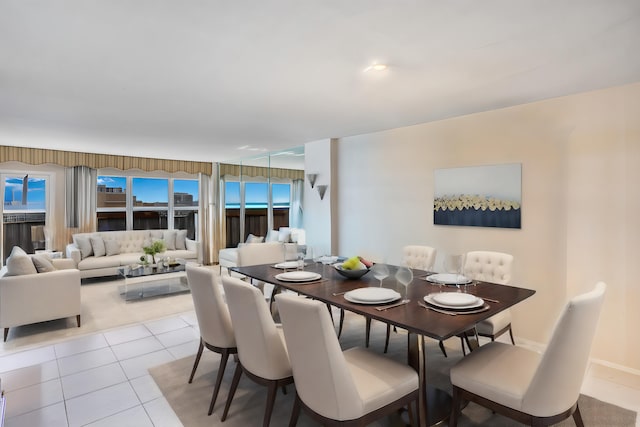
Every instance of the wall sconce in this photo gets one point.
(311, 177)
(321, 190)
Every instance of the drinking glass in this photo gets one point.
(404, 275)
(380, 272)
(302, 252)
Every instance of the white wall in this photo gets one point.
(318, 213)
(580, 159)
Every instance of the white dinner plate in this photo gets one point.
(287, 264)
(429, 299)
(448, 279)
(298, 276)
(371, 295)
(455, 299)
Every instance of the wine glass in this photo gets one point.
(453, 265)
(380, 272)
(404, 275)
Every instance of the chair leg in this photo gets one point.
(455, 408)
(271, 399)
(78, 320)
(464, 351)
(295, 412)
(216, 389)
(197, 361)
(386, 341)
(577, 418)
(6, 334)
(367, 332)
(234, 385)
(412, 422)
(341, 322)
(441, 344)
(330, 312)
(511, 335)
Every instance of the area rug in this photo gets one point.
(191, 401)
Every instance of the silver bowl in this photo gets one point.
(350, 274)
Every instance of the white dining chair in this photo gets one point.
(214, 322)
(261, 349)
(335, 387)
(524, 385)
(493, 267)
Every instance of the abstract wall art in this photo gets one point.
(481, 196)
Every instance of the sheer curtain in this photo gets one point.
(295, 212)
(80, 200)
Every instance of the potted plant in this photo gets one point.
(153, 249)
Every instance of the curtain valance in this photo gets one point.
(253, 171)
(38, 156)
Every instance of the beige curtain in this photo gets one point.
(80, 200)
(205, 218)
(220, 242)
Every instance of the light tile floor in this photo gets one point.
(102, 379)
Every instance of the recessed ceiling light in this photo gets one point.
(376, 67)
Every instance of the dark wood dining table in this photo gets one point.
(434, 404)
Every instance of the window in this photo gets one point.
(185, 205)
(147, 203)
(111, 203)
(253, 211)
(150, 203)
(24, 211)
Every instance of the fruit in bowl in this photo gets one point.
(352, 268)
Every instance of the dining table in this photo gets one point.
(330, 287)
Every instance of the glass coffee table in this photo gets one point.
(147, 281)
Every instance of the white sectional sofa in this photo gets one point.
(291, 237)
(102, 253)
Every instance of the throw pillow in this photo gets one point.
(254, 239)
(17, 250)
(272, 236)
(181, 240)
(284, 235)
(112, 247)
(169, 237)
(42, 264)
(19, 263)
(84, 244)
(97, 244)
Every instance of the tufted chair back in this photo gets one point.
(488, 266)
(419, 257)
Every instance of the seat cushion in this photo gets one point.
(379, 380)
(497, 371)
(495, 323)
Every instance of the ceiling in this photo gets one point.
(214, 80)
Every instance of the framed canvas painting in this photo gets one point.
(481, 196)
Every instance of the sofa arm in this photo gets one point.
(73, 253)
(193, 246)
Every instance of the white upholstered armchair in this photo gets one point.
(38, 297)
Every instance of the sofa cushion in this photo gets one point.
(42, 263)
(84, 245)
(99, 262)
(112, 247)
(97, 244)
(169, 237)
(181, 237)
(19, 263)
(284, 235)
